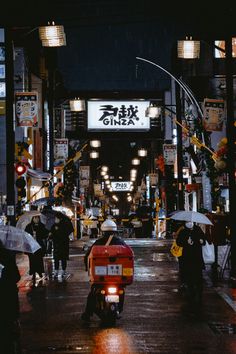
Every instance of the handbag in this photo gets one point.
(208, 253)
(176, 250)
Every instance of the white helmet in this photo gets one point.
(108, 225)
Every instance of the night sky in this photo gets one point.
(105, 36)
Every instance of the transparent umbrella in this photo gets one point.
(15, 239)
(193, 216)
(26, 218)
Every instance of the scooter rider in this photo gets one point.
(108, 228)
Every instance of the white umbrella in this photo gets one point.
(193, 216)
(26, 218)
(15, 239)
(67, 211)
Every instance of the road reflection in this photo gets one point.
(113, 340)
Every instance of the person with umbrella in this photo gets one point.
(192, 238)
(59, 234)
(39, 232)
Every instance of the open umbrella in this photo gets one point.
(48, 216)
(44, 201)
(15, 239)
(26, 218)
(67, 211)
(193, 216)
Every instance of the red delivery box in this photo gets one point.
(111, 264)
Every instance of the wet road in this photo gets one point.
(154, 320)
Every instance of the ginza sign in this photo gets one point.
(120, 186)
(118, 115)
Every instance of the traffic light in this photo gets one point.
(21, 187)
(20, 168)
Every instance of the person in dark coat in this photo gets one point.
(144, 212)
(9, 301)
(39, 232)
(59, 234)
(192, 238)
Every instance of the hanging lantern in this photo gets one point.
(104, 168)
(52, 35)
(135, 161)
(153, 111)
(77, 105)
(94, 155)
(188, 49)
(142, 152)
(95, 143)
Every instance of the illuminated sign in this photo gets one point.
(120, 186)
(118, 115)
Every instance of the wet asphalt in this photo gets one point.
(155, 319)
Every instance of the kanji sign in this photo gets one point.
(120, 186)
(26, 108)
(118, 115)
(60, 149)
(214, 114)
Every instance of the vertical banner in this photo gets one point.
(214, 114)
(26, 105)
(169, 153)
(60, 150)
(84, 174)
(206, 192)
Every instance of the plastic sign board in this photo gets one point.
(120, 186)
(118, 115)
(26, 109)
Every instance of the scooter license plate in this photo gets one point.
(112, 298)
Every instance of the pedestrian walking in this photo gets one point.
(59, 234)
(192, 238)
(9, 301)
(39, 232)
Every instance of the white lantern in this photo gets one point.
(52, 35)
(94, 155)
(77, 105)
(153, 111)
(142, 152)
(95, 143)
(188, 49)
(135, 161)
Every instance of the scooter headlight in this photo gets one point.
(112, 290)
